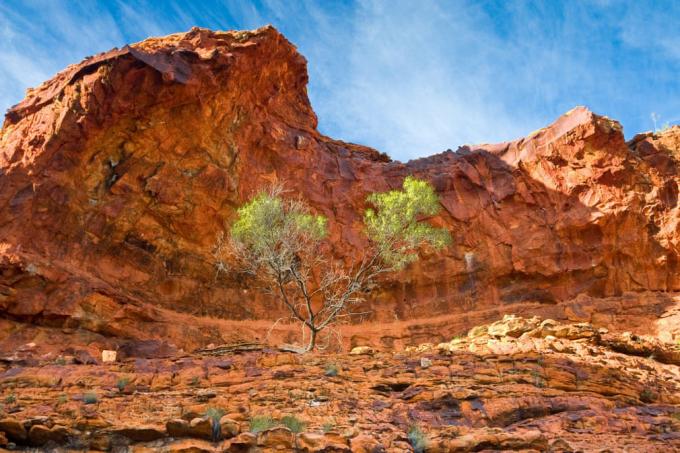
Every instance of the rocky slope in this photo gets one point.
(516, 384)
(118, 175)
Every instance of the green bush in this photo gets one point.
(647, 396)
(417, 438)
(261, 423)
(331, 370)
(122, 383)
(293, 423)
(90, 398)
(215, 414)
(11, 399)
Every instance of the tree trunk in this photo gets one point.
(312, 339)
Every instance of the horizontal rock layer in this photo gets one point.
(517, 384)
(118, 175)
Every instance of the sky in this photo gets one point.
(410, 78)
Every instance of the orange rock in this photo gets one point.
(120, 172)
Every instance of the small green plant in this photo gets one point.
(63, 399)
(60, 361)
(11, 399)
(293, 423)
(195, 381)
(417, 438)
(261, 423)
(331, 370)
(90, 398)
(122, 383)
(328, 427)
(647, 396)
(539, 381)
(214, 414)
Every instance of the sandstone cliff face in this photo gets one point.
(117, 176)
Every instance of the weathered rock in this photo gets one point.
(199, 427)
(39, 435)
(14, 429)
(139, 433)
(229, 428)
(119, 173)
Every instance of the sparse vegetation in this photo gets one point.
(647, 396)
(331, 370)
(122, 383)
(281, 243)
(90, 398)
(195, 381)
(261, 423)
(417, 438)
(293, 423)
(328, 426)
(63, 399)
(60, 361)
(11, 399)
(215, 414)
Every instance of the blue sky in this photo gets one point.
(410, 78)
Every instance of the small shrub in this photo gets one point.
(60, 361)
(261, 423)
(11, 399)
(90, 398)
(676, 416)
(647, 396)
(215, 414)
(331, 370)
(293, 423)
(328, 427)
(195, 381)
(417, 438)
(63, 399)
(122, 383)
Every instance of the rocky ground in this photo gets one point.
(517, 384)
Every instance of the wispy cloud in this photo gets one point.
(409, 78)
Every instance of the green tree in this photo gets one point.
(280, 242)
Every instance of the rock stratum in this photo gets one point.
(518, 384)
(118, 175)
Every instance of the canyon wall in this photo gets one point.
(118, 175)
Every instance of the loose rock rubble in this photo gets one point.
(517, 384)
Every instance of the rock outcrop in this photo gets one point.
(523, 384)
(118, 175)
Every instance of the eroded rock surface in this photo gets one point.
(117, 176)
(524, 384)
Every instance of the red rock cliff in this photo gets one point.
(118, 174)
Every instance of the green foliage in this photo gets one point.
(122, 383)
(293, 423)
(647, 396)
(60, 361)
(63, 399)
(261, 423)
(11, 399)
(90, 398)
(328, 426)
(417, 438)
(396, 226)
(215, 414)
(267, 220)
(331, 370)
(195, 381)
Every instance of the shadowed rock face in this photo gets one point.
(117, 176)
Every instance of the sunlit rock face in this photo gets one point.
(118, 175)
